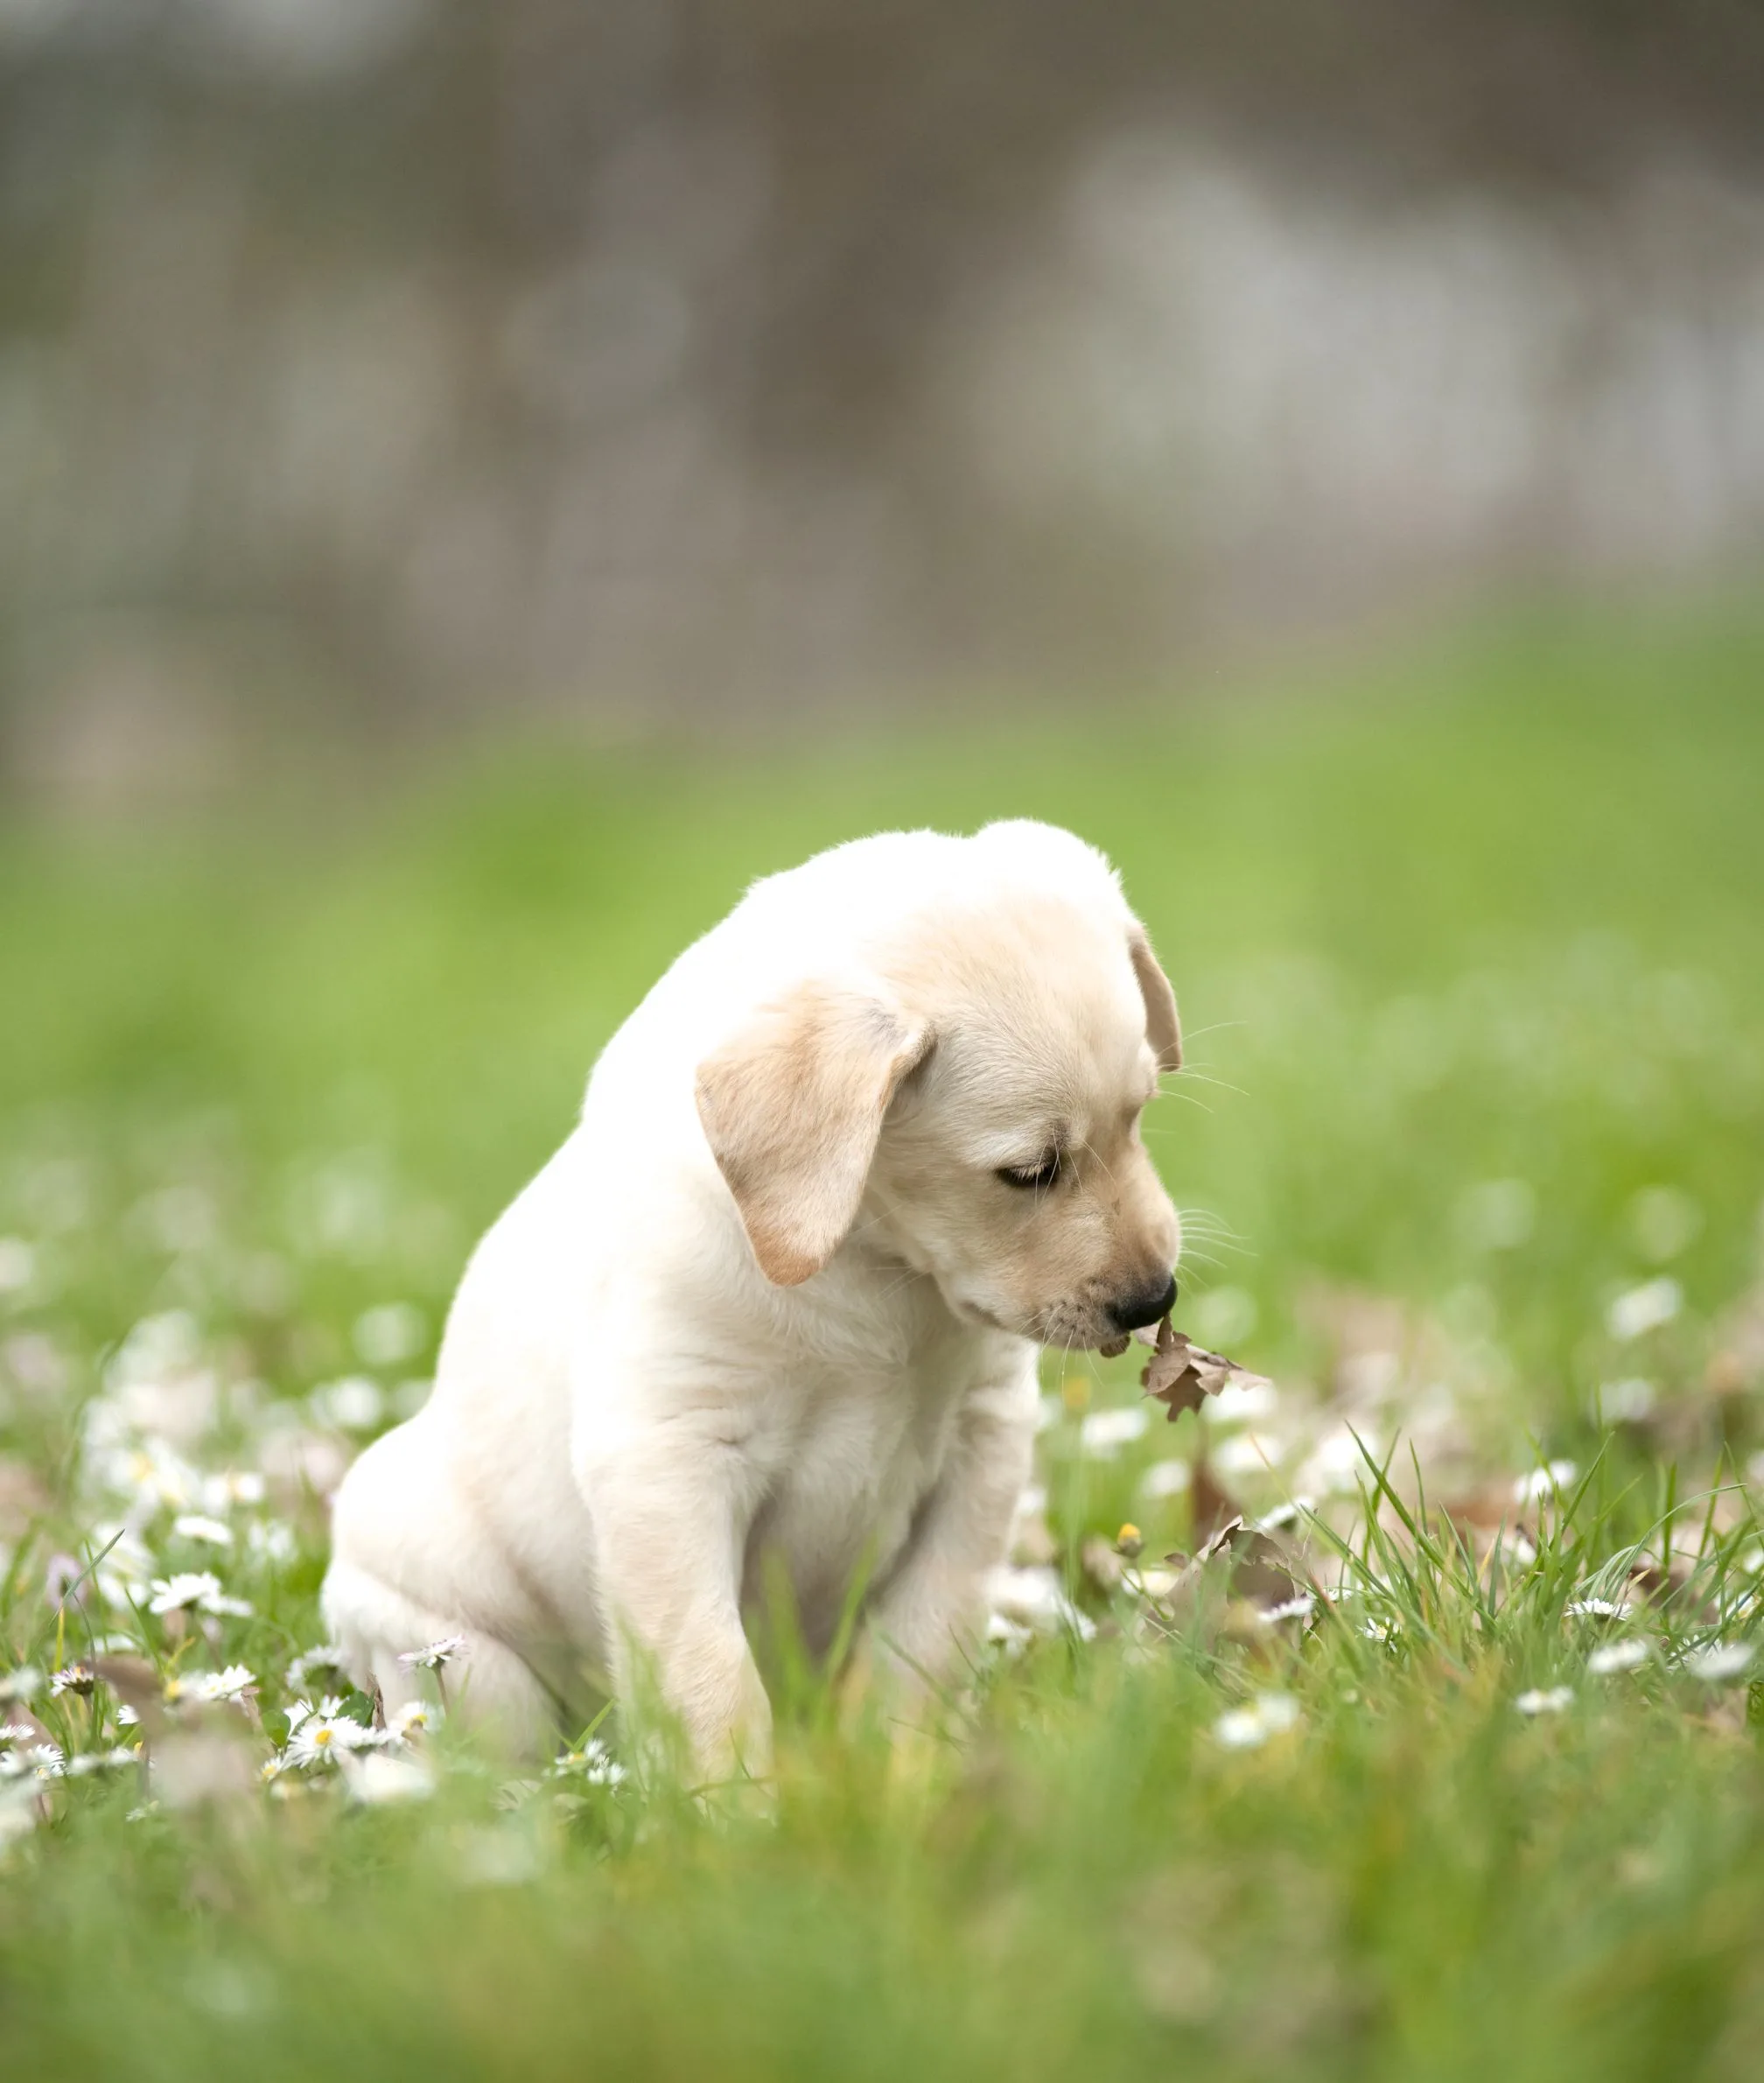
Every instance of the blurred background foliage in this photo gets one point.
(382, 367)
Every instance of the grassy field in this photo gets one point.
(1470, 947)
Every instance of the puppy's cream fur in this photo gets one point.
(772, 1307)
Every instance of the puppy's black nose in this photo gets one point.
(1148, 1305)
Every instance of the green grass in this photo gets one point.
(1470, 948)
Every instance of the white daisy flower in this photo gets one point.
(415, 1718)
(1718, 1661)
(17, 1732)
(40, 1761)
(1539, 1701)
(196, 1526)
(592, 1764)
(213, 1687)
(1617, 1656)
(322, 1737)
(194, 1590)
(436, 1653)
(303, 1710)
(326, 1656)
(1269, 1714)
(1300, 1606)
(25, 1683)
(1166, 1479)
(1599, 1608)
(76, 1678)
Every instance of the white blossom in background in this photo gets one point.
(214, 1687)
(1243, 1402)
(35, 1761)
(1104, 1432)
(1599, 1608)
(17, 1264)
(25, 1683)
(271, 1540)
(1009, 1637)
(1555, 1700)
(1626, 1402)
(91, 1762)
(233, 1486)
(1336, 1463)
(1243, 1728)
(1034, 1598)
(196, 1526)
(1638, 1310)
(356, 1403)
(393, 1333)
(1248, 1453)
(195, 1590)
(1717, 1662)
(1166, 1479)
(1618, 1656)
(1547, 1482)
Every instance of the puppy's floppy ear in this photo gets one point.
(1163, 1027)
(792, 1107)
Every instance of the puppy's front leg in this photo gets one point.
(927, 1621)
(670, 1507)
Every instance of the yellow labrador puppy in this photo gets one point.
(774, 1305)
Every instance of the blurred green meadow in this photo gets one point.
(1469, 941)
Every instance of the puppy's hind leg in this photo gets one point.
(484, 1685)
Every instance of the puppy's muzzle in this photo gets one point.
(1148, 1305)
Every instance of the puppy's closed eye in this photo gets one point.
(1043, 1173)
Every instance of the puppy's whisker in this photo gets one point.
(1188, 1098)
(1223, 1084)
(1098, 1156)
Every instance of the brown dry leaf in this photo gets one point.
(1179, 1372)
(1261, 1572)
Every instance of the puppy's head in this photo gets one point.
(970, 1102)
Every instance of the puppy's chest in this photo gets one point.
(849, 1458)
